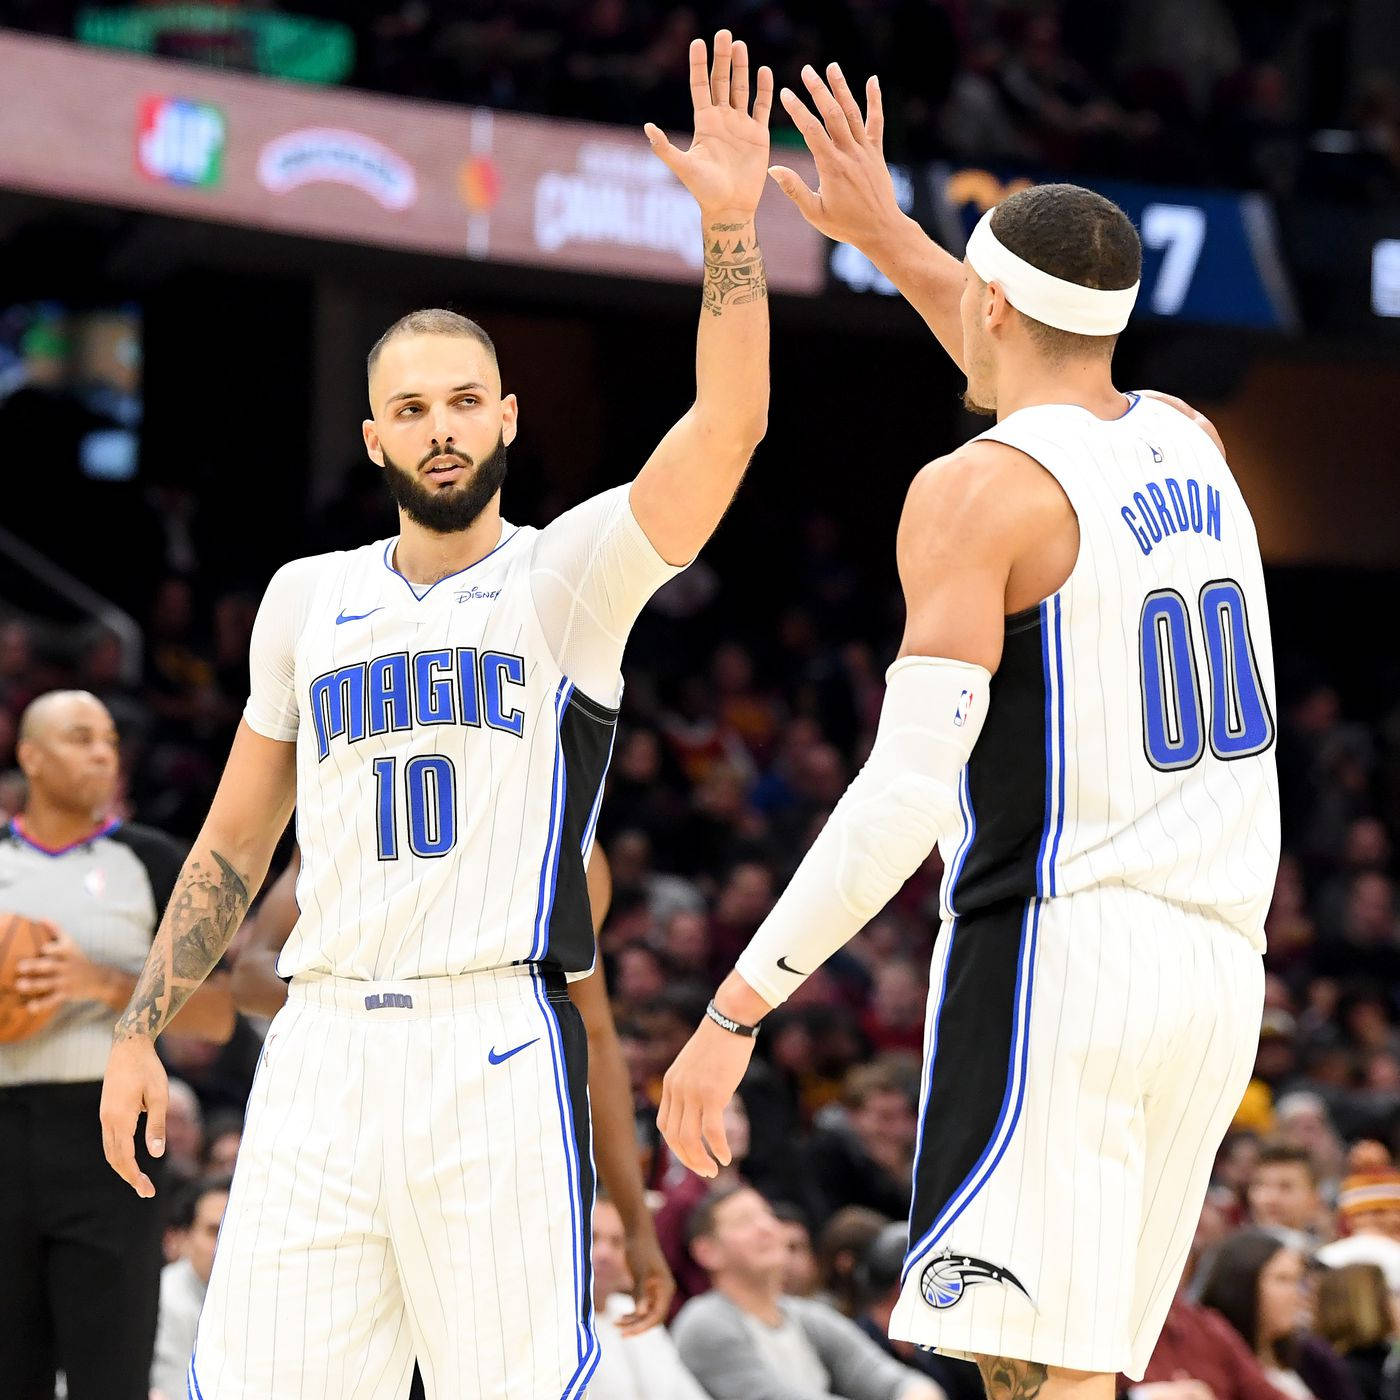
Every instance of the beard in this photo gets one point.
(446, 510)
(972, 406)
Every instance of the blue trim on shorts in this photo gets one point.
(589, 1351)
(1016, 1068)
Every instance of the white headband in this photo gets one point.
(1065, 305)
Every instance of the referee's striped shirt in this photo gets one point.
(107, 892)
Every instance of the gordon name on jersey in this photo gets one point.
(452, 742)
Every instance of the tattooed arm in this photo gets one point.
(226, 863)
(687, 484)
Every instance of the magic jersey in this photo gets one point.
(451, 743)
(1130, 726)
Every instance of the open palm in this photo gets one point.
(728, 157)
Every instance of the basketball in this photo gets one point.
(20, 938)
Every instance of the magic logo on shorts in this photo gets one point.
(944, 1282)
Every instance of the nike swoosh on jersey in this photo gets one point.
(356, 617)
(788, 967)
(506, 1054)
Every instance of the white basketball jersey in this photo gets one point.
(1130, 726)
(449, 770)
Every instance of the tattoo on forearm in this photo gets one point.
(1009, 1379)
(206, 908)
(733, 268)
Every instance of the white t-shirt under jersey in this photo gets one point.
(451, 743)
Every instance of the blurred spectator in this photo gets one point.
(223, 1135)
(1369, 1206)
(643, 1367)
(1283, 1196)
(198, 1215)
(1356, 1315)
(800, 1274)
(1199, 1349)
(868, 1157)
(184, 1132)
(1304, 1121)
(1259, 1287)
(840, 1248)
(744, 1336)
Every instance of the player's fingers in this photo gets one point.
(689, 1144)
(713, 1134)
(845, 99)
(652, 1298)
(739, 83)
(834, 119)
(157, 1101)
(720, 72)
(662, 148)
(120, 1148)
(763, 96)
(39, 1006)
(699, 75)
(808, 202)
(874, 113)
(813, 132)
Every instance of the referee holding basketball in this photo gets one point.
(82, 1254)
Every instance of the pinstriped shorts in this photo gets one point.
(1084, 1056)
(415, 1180)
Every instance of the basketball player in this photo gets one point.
(1081, 715)
(416, 1175)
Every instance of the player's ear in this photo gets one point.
(510, 414)
(371, 436)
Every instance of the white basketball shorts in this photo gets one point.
(415, 1179)
(1084, 1056)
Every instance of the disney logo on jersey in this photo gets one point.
(474, 594)
(398, 692)
(944, 1282)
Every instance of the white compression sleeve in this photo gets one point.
(882, 829)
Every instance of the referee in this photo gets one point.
(81, 1253)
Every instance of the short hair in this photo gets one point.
(431, 320)
(1075, 235)
(701, 1221)
(1353, 1307)
(790, 1213)
(881, 1076)
(187, 1199)
(1287, 1154)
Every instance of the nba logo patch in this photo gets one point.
(95, 883)
(964, 709)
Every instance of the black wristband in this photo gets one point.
(728, 1023)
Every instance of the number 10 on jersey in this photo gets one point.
(429, 794)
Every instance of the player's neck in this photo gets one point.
(54, 827)
(1089, 384)
(424, 556)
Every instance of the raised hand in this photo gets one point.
(728, 157)
(854, 201)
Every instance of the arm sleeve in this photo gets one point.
(272, 701)
(721, 1354)
(592, 572)
(858, 1368)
